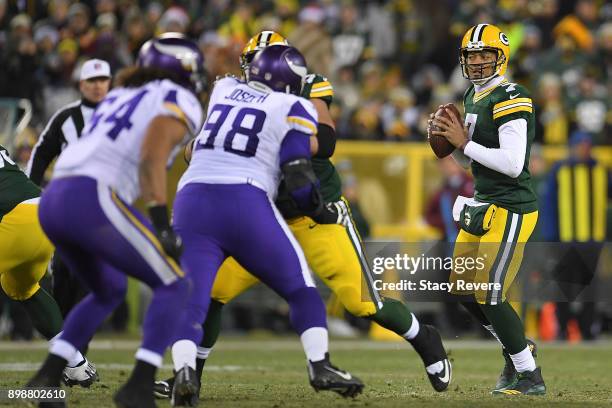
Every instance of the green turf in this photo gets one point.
(262, 373)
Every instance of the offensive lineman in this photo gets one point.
(496, 141)
(127, 145)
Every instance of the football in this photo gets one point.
(440, 146)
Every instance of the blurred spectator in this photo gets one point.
(590, 108)
(552, 121)
(19, 63)
(313, 41)
(439, 208)
(241, 24)
(574, 213)
(400, 116)
(350, 42)
(581, 25)
(174, 20)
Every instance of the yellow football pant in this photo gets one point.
(25, 252)
(333, 252)
(498, 255)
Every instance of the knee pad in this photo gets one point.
(351, 299)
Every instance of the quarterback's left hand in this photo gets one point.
(455, 132)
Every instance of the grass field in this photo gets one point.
(272, 373)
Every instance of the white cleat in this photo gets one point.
(84, 374)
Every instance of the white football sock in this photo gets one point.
(315, 343)
(413, 330)
(523, 361)
(184, 352)
(203, 352)
(149, 356)
(492, 331)
(76, 358)
(63, 349)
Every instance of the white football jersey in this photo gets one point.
(242, 136)
(109, 149)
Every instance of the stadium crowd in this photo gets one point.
(391, 62)
(387, 63)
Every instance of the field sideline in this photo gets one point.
(271, 373)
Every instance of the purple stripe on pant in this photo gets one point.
(73, 212)
(239, 220)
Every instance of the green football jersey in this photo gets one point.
(15, 186)
(317, 86)
(485, 112)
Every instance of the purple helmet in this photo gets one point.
(175, 53)
(280, 67)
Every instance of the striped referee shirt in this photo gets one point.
(64, 127)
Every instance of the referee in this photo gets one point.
(65, 127)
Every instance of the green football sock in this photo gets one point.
(394, 316)
(507, 325)
(212, 324)
(212, 328)
(45, 314)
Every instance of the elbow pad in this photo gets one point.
(326, 136)
(303, 186)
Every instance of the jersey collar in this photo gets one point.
(480, 91)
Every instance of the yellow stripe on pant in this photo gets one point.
(25, 252)
(330, 254)
(500, 251)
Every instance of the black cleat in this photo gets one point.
(527, 383)
(162, 389)
(133, 395)
(428, 344)
(509, 374)
(324, 376)
(186, 389)
(49, 375)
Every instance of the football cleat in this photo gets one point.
(163, 388)
(326, 377)
(49, 375)
(509, 374)
(526, 383)
(132, 395)
(84, 374)
(186, 389)
(428, 344)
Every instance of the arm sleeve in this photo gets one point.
(326, 136)
(509, 159)
(48, 147)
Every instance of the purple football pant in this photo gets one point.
(216, 221)
(102, 240)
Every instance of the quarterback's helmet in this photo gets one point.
(485, 37)
(174, 52)
(257, 43)
(280, 67)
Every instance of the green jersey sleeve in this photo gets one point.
(317, 86)
(512, 101)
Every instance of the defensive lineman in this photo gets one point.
(123, 156)
(225, 207)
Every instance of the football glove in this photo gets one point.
(169, 240)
